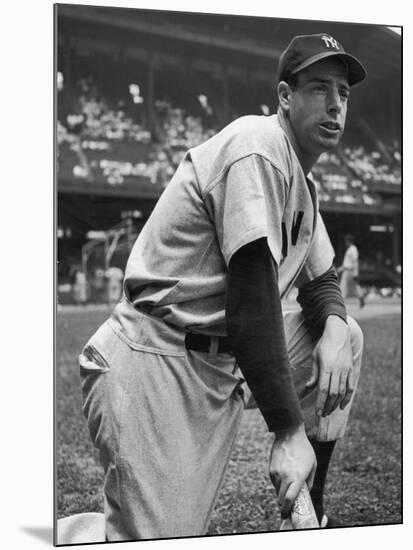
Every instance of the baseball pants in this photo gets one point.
(165, 419)
(349, 286)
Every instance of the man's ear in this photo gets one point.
(284, 95)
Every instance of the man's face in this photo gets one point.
(318, 106)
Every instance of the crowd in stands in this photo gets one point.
(336, 183)
(95, 125)
(96, 117)
(375, 166)
(177, 132)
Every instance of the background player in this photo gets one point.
(350, 272)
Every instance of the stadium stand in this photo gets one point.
(372, 167)
(120, 138)
(105, 136)
(95, 138)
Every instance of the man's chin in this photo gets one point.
(329, 144)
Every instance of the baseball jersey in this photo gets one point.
(114, 275)
(242, 184)
(351, 260)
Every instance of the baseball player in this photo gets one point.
(349, 271)
(114, 278)
(200, 326)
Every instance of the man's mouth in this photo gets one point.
(330, 125)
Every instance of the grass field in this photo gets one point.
(364, 484)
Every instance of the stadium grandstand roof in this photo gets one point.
(378, 47)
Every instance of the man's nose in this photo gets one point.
(334, 102)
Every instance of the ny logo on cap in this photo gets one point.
(330, 42)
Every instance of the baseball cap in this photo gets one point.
(304, 50)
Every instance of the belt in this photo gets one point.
(202, 342)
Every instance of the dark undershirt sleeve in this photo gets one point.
(320, 298)
(256, 329)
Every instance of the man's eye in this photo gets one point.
(344, 94)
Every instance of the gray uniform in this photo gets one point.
(164, 418)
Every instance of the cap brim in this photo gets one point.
(356, 71)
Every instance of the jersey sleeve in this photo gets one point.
(321, 255)
(247, 204)
(256, 329)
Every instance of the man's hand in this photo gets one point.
(332, 367)
(292, 463)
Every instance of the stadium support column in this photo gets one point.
(226, 93)
(250, 90)
(396, 241)
(68, 62)
(151, 92)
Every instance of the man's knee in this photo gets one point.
(357, 342)
(333, 426)
(357, 338)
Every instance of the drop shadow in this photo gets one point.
(45, 534)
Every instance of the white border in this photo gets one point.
(27, 237)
